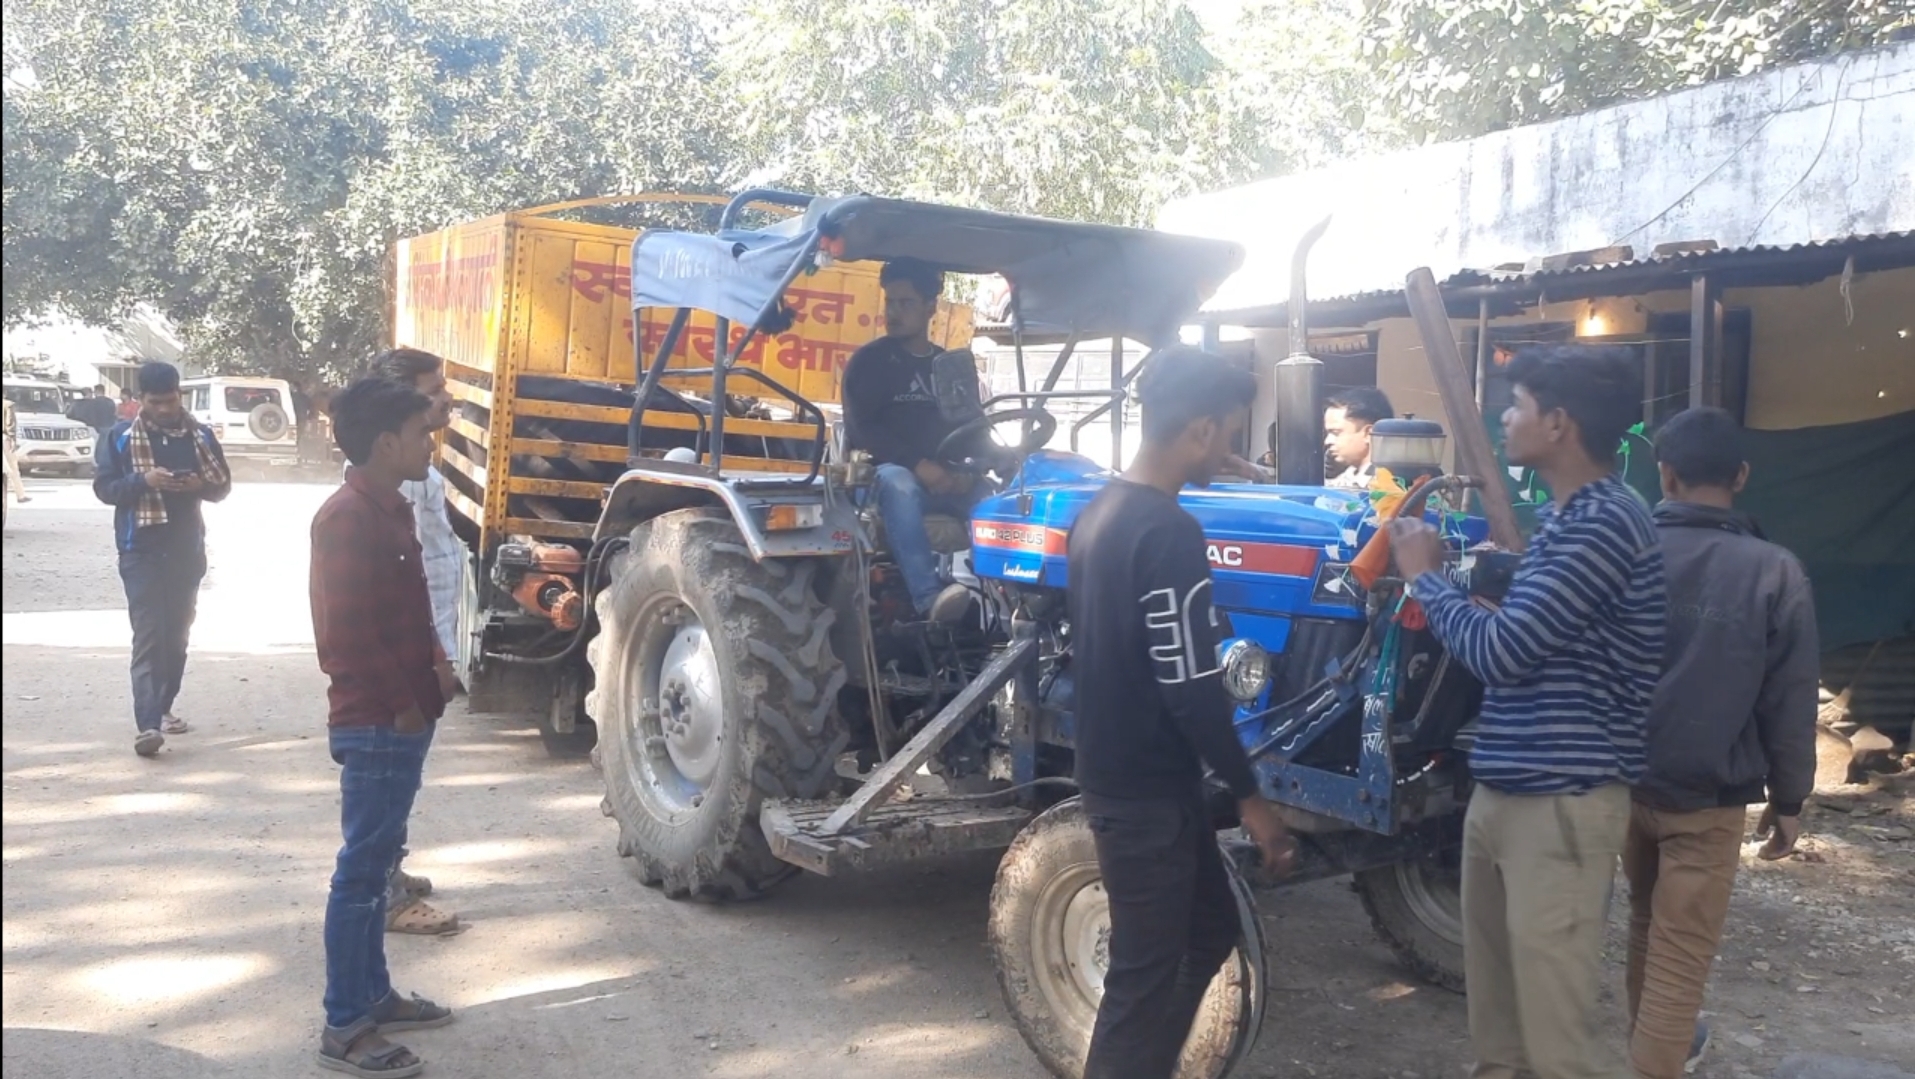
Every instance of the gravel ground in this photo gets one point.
(162, 918)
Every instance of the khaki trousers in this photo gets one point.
(1537, 870)
(1681, 868)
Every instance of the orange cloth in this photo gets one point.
(1373, 561)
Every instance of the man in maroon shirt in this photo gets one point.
(372, 625)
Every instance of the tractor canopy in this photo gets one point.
(1067, 278)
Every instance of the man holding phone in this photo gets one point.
(155, 470)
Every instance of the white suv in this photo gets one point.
(252, 417)
(45, 440)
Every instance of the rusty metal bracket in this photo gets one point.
(890, 775)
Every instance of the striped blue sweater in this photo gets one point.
(1571, 660)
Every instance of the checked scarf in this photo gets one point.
(139, 454)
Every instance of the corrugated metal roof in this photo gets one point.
(1698, 258)
(1793, 157)
(1516, 279)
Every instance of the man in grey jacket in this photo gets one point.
(1732, 724)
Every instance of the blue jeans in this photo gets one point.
(903, 501)
(380, 774)
(393, 895)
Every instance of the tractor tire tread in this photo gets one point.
(771, 633)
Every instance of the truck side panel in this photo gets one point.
(521, 305)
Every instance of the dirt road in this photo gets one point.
(162, 918)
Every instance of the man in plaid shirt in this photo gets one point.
(373, 630)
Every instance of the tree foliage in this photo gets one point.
(245, 165)
(1455, 68)
(1072, 108)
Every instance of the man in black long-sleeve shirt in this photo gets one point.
(891, 412)
(1152, 712)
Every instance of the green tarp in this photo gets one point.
(1843, 499)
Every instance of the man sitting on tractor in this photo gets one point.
(891, 411)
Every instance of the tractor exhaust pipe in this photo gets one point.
(1300, 382)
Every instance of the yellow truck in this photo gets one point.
(532, 313)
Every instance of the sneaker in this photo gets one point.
(172, 724)
(1698, 1048)
(148, 743)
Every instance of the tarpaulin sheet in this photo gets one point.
(1843, 499)
(1069, 277)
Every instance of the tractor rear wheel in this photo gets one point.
(1050, 934)
(715, 687)
(1416, 906)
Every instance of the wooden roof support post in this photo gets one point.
(1474, 455)
(1705, 342)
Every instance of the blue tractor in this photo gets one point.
(767, 703)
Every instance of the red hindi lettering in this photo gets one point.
(816, 305)
(595, 281)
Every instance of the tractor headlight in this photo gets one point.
(1246, 669)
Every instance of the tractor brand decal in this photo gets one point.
(1274, 558)
(1032, 538)
(1021, 573)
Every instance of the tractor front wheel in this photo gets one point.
(1416, 906)
(715, 687)
(1050, 934)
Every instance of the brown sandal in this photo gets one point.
(419, 918)
(397, 1013)
(359, 1050)
(415, 886)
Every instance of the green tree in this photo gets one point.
(1456, 68)
(1296, 69)
(246, 165)
(1073, 108)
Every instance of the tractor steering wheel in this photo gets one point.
(954, 449)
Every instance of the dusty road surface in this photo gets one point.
(162, 918)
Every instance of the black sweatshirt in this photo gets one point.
(1151, 707)
(1733, 719)
(891, 404)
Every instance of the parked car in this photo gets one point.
(253, 418)
(46, 441)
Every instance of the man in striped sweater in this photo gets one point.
(1569, 664)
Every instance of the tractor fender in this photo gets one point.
(653, 488)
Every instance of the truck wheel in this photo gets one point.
(1050, 935)
(715, 687)
(1416, 906)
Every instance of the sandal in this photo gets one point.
(420, 918)
(359, 1050)
(172, 724)
(396, 1013)
(148, 743)
(416, 887)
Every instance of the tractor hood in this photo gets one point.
(1272, 548)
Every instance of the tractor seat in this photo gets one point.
(948, 535)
